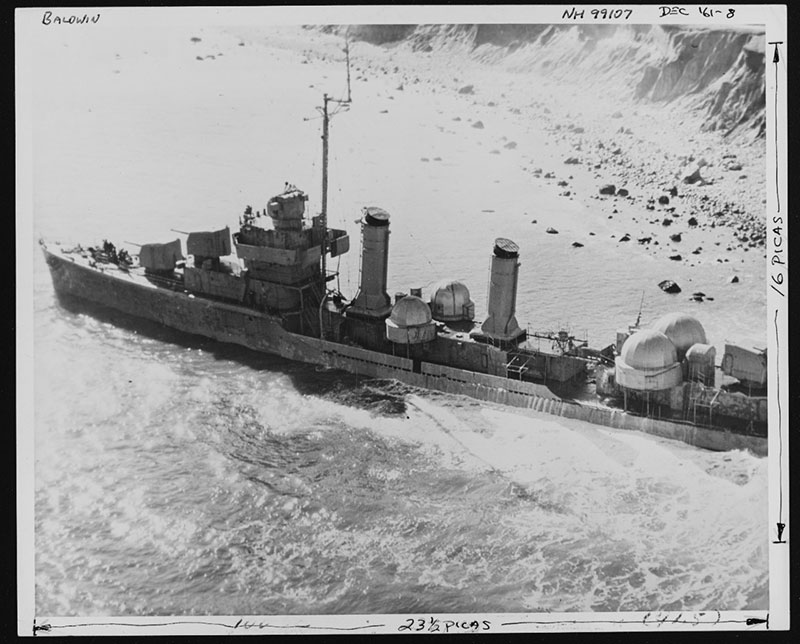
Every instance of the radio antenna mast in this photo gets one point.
(639, 317)
(324, 214)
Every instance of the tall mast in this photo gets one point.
(324, 214)
(347, 57)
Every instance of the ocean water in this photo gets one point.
(176, 476)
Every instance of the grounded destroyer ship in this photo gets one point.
(269, 289)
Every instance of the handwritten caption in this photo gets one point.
(778, 259)
(436, 625)
(597, 14)
(705, 12)
(50, 18)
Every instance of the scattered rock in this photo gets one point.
(386, 112)
(478, 125)
(673, 191)
(697, 250)
(494, 152)
(579, 130)
(734, 279)
(534, 221)
(734, 167)
(675, 258)
(552, 231)
(426, 159)
(644, 240)
(577, 245)
(400, 87)
(663, 200)
(195, 39)
(616, 115)
(608, 189)
(692, 221)
(668, 286)
(572, 161)
(617, 151)
(491, 104)
(666, 221)
(676, 237)
(511, 145)
(625, 237)
(562, 183)
(694, 176)
(622, 192)
(467, 89)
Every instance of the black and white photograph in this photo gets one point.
(458, 319)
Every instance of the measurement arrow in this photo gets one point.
(781, 526)
(775, 60)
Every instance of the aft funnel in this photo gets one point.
(501, 325)
(372, 300)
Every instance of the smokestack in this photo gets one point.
(501, 324)
(372, 300)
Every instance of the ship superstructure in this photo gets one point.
(267, 287)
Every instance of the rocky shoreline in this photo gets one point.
(682, 192)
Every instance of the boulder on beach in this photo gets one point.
(692, 175)
(668, 286)
(608, 189)
(552, 231)
(663, 200)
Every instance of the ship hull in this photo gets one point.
(262, 332)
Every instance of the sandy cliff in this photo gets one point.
(719, 73)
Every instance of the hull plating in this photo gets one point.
(262, 332)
